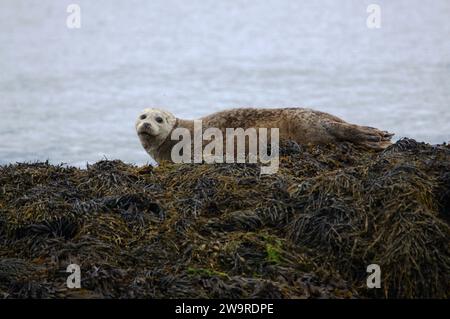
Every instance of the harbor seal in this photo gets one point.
(302, 125)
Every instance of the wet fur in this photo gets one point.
(305, 126)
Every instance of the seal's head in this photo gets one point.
(153, 126)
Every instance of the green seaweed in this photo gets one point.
(273, 253)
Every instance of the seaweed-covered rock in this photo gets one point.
(224, 231)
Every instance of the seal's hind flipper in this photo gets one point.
(365, 136)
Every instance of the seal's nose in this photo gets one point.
(146, 126)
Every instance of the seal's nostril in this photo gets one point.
(146, 126)
(143, 117)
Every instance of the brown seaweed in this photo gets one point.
(224, 231)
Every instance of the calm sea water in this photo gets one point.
(72, 95)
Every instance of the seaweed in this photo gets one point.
(224, 231)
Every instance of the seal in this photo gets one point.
(302, 125)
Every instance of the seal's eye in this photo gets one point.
(143, 117)
(159, 119)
